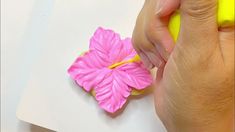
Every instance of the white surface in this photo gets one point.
(56, 33)
(15, 62)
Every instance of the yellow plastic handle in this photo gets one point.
(225, 17)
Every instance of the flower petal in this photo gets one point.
(103, 40)
(128, 50)
(112, 92)
(112, 86)
(135, 75)
(88, 70)
(108, 44)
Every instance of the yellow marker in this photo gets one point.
(225, 17)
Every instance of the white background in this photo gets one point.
(40, 39)
(15, 63)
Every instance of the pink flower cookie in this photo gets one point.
(110, 69)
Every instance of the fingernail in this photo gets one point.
(146, 61)
(163, 52)
(159, 6)
(156, 60)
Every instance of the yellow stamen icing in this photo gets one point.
(117, 64)
(136, 58)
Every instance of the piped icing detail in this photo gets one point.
(111, 68)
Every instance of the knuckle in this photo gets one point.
(141, 42)
(134, 44)
(136, 49)
(154, 30)
(150, 30)
(147, 46)
(134, 39)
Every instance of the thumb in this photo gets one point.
(198, 24)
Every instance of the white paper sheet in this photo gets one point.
(51, 99)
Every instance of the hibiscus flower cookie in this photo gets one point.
(111, 70)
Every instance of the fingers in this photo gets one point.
(155, 58)
(157, 26)
(142, 45)
(149, 56)
(157, 33)
(151, 37)
(199, 28)
(145, 60)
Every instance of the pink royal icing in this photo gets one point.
(111, 85)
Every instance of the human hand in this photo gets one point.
(195, 89)
(151, 37)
